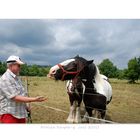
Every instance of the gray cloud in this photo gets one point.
(24, 32)
(51, 41)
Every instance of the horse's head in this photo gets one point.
(75, 86)
(70, 68)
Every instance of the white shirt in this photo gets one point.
(11, 86)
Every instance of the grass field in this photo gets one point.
(124, 108)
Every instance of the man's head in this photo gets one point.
(14, 63)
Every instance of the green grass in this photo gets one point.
(124, 108)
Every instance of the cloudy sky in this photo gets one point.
(45, 42)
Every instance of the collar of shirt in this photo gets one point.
(11, 73)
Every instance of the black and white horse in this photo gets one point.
(96, 91)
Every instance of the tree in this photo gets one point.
(108, 69)
(24, 70)
(133, 72)
(33, 70)
(2, 67)
(28, 70)
(138, 60)
(42, 72)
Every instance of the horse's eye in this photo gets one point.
(53, 71)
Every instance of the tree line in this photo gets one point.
(28, 70)
(131, 73)
(106, 67)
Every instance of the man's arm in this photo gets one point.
(19, 98)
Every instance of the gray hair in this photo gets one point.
(9, 64)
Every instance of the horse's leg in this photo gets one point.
(91, 115)
(97, 115)
(103, 114)
(100, 114)
(71, 116)
(94, 113)
(87, 114)
(78, 111)
(89, 111)
(85, 118)
(78, 115)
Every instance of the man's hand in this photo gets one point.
(40, 99)
(19, 98)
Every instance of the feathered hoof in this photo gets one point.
(70, 121)
(79, 120)
(85, 120)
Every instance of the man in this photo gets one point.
(13, 97)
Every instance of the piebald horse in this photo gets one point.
(87, 84)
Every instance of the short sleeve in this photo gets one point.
(9, 89)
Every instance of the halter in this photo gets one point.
(65, 72)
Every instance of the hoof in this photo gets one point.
(85, 120)
(69, 121)
(78, 120)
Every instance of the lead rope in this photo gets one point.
(29, 117)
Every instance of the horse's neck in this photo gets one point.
(93, 73)
(89, 86)
(94, 79)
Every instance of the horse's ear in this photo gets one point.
(90, 61)
(76, 56)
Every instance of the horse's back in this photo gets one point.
(105, 87)
(107, 90)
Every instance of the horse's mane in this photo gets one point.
(98, 80)
(94, 74)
